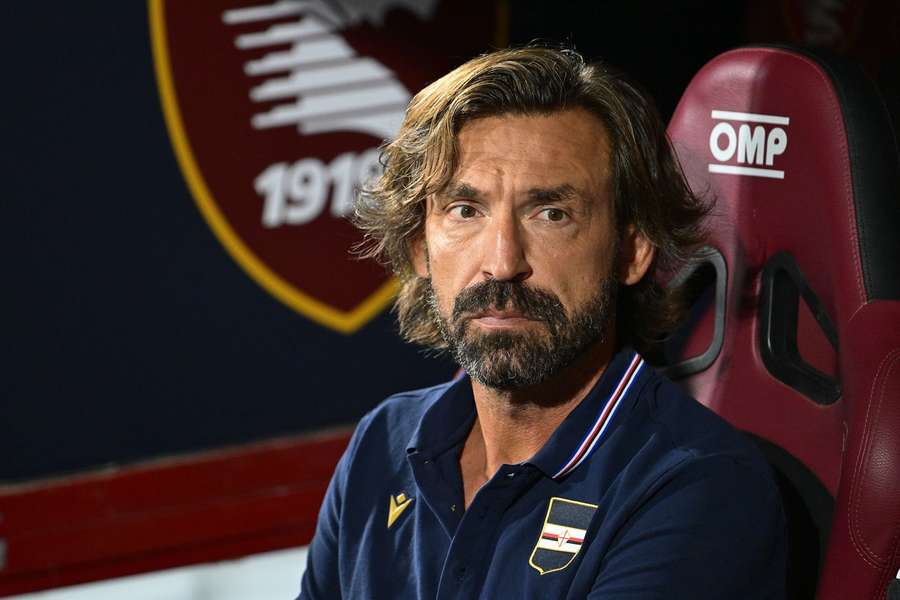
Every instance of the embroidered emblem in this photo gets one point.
(562, 536)
(397, 506)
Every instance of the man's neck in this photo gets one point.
(511, 426)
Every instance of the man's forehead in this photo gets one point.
(560, 152)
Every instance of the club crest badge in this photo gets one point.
(276, 110)
(563, 535)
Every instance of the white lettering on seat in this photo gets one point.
(753, 148)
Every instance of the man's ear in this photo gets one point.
(635, 256)
(418, 255)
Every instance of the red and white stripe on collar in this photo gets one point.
(595, 433)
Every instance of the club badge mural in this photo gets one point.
(276, 112)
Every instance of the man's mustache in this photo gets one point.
(532, 303)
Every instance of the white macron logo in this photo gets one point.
(753, 145)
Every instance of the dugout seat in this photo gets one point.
(794, 330)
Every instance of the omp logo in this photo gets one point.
(748, 139)
(321, 86)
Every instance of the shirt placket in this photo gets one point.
(473, 544)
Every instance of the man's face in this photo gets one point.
(521, 246)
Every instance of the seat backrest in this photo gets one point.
(794, 336)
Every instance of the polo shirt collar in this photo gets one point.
(589, 423)
(447, 422)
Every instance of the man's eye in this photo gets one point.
(554, 214)
(464, 211)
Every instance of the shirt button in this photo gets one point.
(460, 573)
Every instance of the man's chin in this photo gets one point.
(509, 375)
(505, 360)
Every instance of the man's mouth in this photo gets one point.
(500, 318)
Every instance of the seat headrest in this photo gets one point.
(798, 155)
(798, 152)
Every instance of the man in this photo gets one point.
(528, 204)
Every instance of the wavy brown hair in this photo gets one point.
(649, 189)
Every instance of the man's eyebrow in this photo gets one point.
(460, 189)
(560, 193)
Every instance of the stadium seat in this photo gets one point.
(794, 330)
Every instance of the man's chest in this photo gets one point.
(521, 537)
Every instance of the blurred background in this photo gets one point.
(187, 337)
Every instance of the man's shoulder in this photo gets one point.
(673, 445)
(693, 430)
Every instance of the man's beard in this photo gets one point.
(515, 359)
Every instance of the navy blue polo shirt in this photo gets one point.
(641, 492)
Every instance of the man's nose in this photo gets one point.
(504, 250)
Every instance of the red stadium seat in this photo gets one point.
(794, 334)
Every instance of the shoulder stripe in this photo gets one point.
(595, 433)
